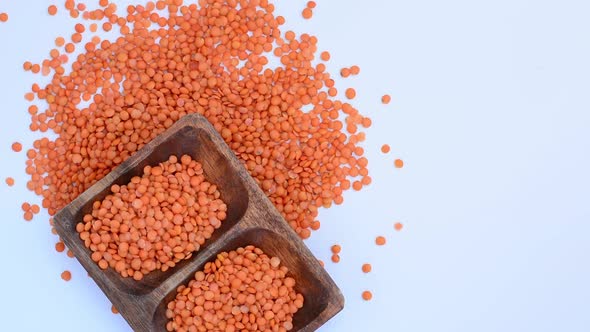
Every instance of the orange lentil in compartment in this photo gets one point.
(248, 290)
(155, 221)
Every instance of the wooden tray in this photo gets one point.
(251, 219)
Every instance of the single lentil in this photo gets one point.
(307, 13)
(17, 147)
(336, 258)
(10, 181)
(380, 240)
(336, 249)
(60, 247)
(66, 275)
(386, 99)
(350, 93)
(52, 10)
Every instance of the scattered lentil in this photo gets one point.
(336, 249)
(367, 295)
(307, 13)
(386, 99)
(3, 17)
(60, 247)
(398, 163)
(66, 275)
(344, 72)
(10, 181)
(28, 216)
(299, 158)
(385, 148)
(17, 147)
(398, 226)
(336, 258)
(350, 93)
(52, 10)
(367, 268)
(380, 240)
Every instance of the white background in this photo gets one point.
(490, 113)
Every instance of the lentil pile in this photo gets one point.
(155, 221)
(243, 290)
(212, 57)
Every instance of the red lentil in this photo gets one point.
(28, 216)
(336, 249)
(386, 99)
(10, 181)
(367, 268)
(3, 17)
(336, 258)
(241, 290)
(155, 221)
(398, 163)
(307, 13)
(60, 247)
(350, 93)
(221, 74)
(345, 72)
(367, 295)
(52, 10)
(385, 148)
(17, 147)
(398, 226)
(66, 275)
(380, 240)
